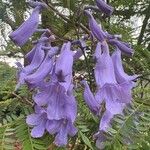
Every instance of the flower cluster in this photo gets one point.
(49, 73)
(113, 84)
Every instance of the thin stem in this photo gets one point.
(22, 99)
(66, 18)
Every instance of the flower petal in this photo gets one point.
(22, 34)
(64, 62)
(121, 76)
(38, 131)
(33, 119)
(95, 28)
(89, 99)
(124, 47)
(105, 8)
(104, 70)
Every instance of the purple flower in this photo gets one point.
(95, 28)
(64, 63)
(25, 31)
(58, 115)
(121, 76)
(90, 100)
(108, 87)
(104, 70)
(105, 8)
(124, 47)
(44, 69)
(38, 121)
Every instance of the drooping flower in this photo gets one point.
(95, 28)
(44, 69)
(121, 76)
(104, 7)
(64, 63)
(36, 61)
(25, 31)
(106, 79)
(60, 109)
(124, 47)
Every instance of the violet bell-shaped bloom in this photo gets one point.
(104, 7)
(44, 69)
(124, 47)
(121, 76)
(35, 63)
(25, 31)
(94, 27)
(64, 63)
(108, 88)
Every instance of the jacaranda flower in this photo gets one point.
(104, 7)
(25, 31)
(95, 28)
(107, 84)
(38, 57)
(124, 47)
(64, 63)
(121, 76)
(44, 69)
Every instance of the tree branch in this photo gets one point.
(67, 19)
(145, 22)
(22, 99)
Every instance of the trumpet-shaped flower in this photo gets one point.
(25, 31)
(124, 47)
(104, 7)
(121, 76)
(64, 63)
(95, 28)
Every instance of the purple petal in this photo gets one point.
(70, 108)
(33, 119)
(41, 72)
(72, 130)
(64, 62)
(105, 8)
(62, 137)
(112, 108)
(53, 126)
(89, 99)
(22, 34)
(97, 53)
(115, 92)
(124, 47)
(121, 76)
(105, 121)
(95, 28)
(29, 56)
(104, 70)
(38, 131)
(56, 106)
